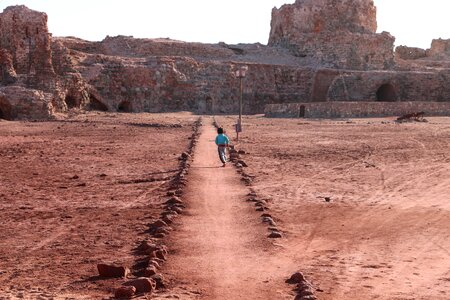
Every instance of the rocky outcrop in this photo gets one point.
(338, 33)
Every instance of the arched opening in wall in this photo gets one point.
(302, 111)
(209, 105)
(386, 93)
(125, 106)
(5, 110)
(70, 102)
(95, 104)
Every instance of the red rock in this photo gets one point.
(125, 292)
(160, 281)
(147, 247)
(275, 235)
(105, 270)
(142, 285)
(174, 200)
(150, 271)
(167, 218)
(160, 254)
(296, 278)
(159, 223)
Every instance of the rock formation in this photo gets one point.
(318, 51)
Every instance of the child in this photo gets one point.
(222, 142)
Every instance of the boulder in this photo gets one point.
(125, 292)
(142, 285)
(106, 270)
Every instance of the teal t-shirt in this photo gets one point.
(222, 139)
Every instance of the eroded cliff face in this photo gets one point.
(336, 32)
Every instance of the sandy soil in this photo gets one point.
(77, 192)
(363, 203)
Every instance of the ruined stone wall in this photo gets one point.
(440, 49)
(180, 83)
(355, 109)
(7, 73)
(407, 86)
(355, 51)
(24, 34)
(131, 47)
(315, 16)
(321, 51)
(408, 53)
(21, 103)
(126, 46)
(29, 59)
(340, 34)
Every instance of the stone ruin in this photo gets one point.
(33, 82)
(323, 59)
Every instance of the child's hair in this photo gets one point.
(220, 130)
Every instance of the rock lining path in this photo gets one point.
(220, 249)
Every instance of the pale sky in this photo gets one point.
(413, 22)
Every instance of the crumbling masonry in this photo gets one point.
(322, 56)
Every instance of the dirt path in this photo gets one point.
(220, 250)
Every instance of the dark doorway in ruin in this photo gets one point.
(386, 93)
(95, 104)
(209, 105)
(70, 102)
(301, 112)
(5, 109)
(125, 106)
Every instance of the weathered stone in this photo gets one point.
(168, 218)
(275, 235)
(174, 200)
(106, 270)
(296, 278)
(147, 247)
(125, 292)
(142, 285)
(150, 271)
(160, 281)
(242, 163)
(159, 223)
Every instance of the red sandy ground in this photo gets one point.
(68, 201)
(385, 233)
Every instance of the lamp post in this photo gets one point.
(240, 73)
